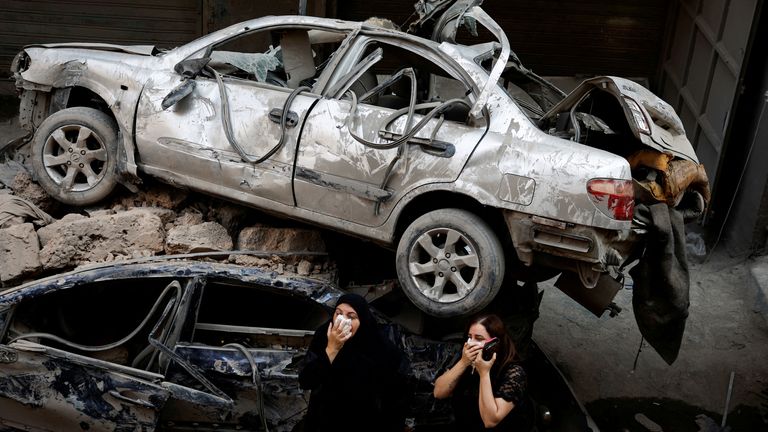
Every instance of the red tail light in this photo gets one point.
(615, 198)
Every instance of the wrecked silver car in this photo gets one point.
(473, 167)
(176, 344)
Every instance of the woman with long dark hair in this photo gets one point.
(355, 374)
(487, 394)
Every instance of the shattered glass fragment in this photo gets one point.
(258, 64)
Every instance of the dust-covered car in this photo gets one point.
(175, 344)
(473, 167)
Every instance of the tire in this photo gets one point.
(444, 242)
(74, 154)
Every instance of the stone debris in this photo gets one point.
(19, 250)
(161, 195)
(155, 221)
(265, 238)
(76, 239)
(203, 237)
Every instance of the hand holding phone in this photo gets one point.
(490, 347)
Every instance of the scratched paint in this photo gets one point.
(505, 155)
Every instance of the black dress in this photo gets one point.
(511, 385)
(363, 389)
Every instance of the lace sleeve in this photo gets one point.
(512, 385)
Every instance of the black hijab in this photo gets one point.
(368, 342)
(366, 377)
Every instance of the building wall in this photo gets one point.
(553, 37)
(165, 24)
(130, 22)
(744, 179)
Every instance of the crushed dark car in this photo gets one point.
(175, 344)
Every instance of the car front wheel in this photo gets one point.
(450, 263)
(74, 154)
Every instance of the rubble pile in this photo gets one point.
(158, 220)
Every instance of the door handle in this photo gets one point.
(146, 404)
(434, 147)
(276, 115)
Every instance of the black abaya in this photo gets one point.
(364, 388)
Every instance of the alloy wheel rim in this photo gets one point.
(75, 158)
(444, 265)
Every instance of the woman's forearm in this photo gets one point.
(446, 383)
(492, 410)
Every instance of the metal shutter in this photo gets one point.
(130, 22)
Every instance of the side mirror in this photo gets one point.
(178, 93)
(191, 68)
(188, 69)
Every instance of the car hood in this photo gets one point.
(667, 134)
(146, 50)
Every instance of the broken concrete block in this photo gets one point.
(19, 249)
(76, 239)
(304, 268)
(263, 238)
(165, 215)
(207, 236)
(189, 217)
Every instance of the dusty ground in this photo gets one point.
(723, 334)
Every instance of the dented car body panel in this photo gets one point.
(232, 330)
(665, 129)
(365, 129)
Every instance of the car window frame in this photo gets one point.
(355, 54)
(319, 83)
(293, 295)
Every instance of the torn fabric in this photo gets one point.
(661, 281)
(12, 207)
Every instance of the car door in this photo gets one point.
(95, 356)
(249, 339)
(350, 165)
(60, 368)
(227, 136)
(47, 389)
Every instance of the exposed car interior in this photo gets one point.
(598, 120)
(103, 320)
(258, 318)
(284, 57)
(114, 320)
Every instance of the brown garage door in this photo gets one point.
(702, 69)
(130, 22)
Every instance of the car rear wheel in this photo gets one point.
(450, 263)
(74, 154)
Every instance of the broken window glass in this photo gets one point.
(284, 57)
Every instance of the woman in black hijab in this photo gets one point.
(356, 375)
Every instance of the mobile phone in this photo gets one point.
(489, 348)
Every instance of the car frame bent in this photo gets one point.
(470, 165)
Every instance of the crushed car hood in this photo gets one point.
(667, 134)
(146, 50)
